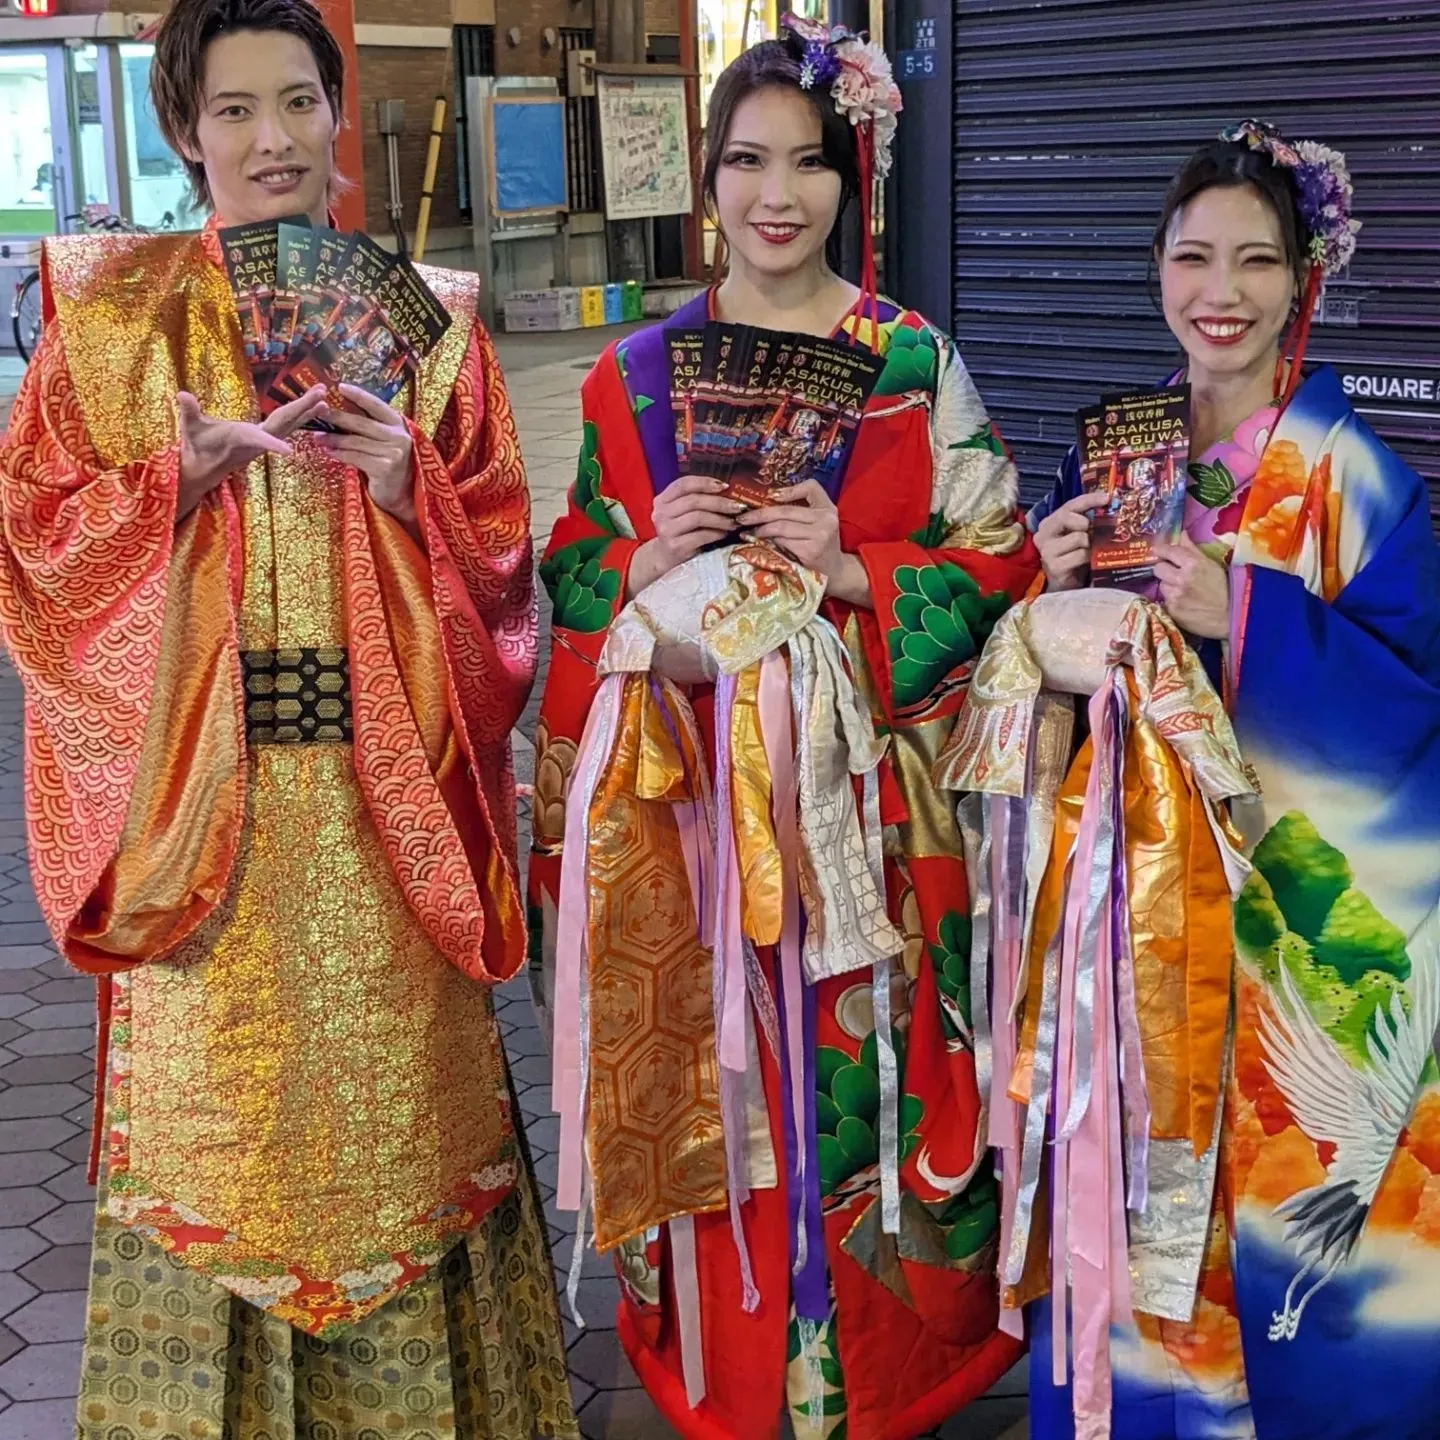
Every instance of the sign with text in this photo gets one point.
(1393, 388)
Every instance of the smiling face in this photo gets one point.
(775, 197)
(266, 131)
(1225, 282)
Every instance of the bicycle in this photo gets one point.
(27, 316)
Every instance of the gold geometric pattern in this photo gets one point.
(473, 1352)
(294, 696)
(656, 1146)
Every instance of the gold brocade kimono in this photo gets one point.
(270, 797)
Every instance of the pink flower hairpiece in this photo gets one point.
(858, 75)
(1323, 190)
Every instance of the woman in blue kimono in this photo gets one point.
(1308, 577)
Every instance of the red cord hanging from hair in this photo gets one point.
(867, 306)
(1292, 353)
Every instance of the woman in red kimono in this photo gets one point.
(816, 1222)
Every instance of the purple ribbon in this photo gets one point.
(810, 1285)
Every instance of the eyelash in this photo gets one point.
(738, 158)
(303, 104)
(1189, 257)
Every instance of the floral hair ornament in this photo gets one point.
(1323, 190)
(1323, 196)
(857, 74)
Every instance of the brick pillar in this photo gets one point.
(350, 207)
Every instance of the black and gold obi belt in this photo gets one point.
(297, 697)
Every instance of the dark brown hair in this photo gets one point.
(769, 65)
(178, 72)
(1226, 164)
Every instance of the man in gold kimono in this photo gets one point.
(271, 676)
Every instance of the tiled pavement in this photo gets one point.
(46, 1048)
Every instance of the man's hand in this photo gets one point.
(376, 441)
(211, 449)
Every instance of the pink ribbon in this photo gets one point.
(569, 1064)
(1090, 1246)
(775, 728)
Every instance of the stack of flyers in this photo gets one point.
(762, 409)
(1134, 447)
(320, 307)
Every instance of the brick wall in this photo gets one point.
(530, 57)
(662, 17)
(402, 12)
(416, 77)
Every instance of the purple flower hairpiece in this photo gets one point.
(855, 72)
(1323, 190)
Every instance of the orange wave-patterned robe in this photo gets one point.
(307, 1097)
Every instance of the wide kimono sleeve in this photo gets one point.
(85, 569)
(938, 593)
(473, 505)
(1338, 670)
(587, 562)
(473, 511)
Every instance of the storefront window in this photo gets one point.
(723, 29)
(27, 152)
(159, 187)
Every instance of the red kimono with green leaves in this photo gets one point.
(908, 1334)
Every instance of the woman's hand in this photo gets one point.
(805, 523)
(689, 514)
(377, 443)
(211, 449)
(1063, 540)
(1195, 589)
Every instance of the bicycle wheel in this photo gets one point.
(26, 317)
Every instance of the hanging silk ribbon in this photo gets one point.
(1093, 1200)
(1092, 881)
(570, 1063)
(687, 1305)
(888, 1063)
(778, 735)
(730, 993)
(1134, 1087)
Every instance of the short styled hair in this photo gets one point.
(178, 72)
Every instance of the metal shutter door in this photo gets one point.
(1070, 118)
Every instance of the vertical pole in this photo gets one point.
(695, 220)
(855, 16)
(627, 47)
(349, 151)
(920, 255)
(108, 60)
(478, 91)
(112, 122)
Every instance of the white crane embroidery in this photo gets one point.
(1360, 1110)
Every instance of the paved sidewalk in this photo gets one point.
(46, 1050)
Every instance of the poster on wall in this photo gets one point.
(645, 144)
(527, 155)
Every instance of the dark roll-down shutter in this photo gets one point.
(1070, 118)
